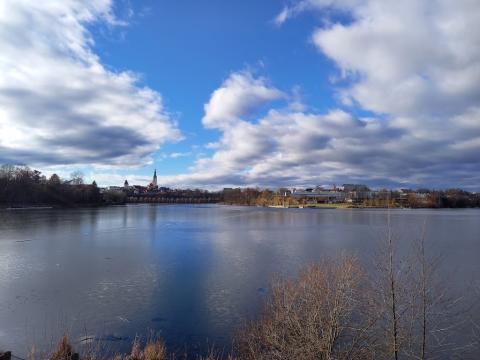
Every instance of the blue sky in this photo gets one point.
(185, 49)
(243, 93)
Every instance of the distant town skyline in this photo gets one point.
(217, 94)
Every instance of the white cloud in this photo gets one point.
(58, 103)
(282, 16)
(290, 146)
(303, 5)
(239, 96)
(174, 155)
(408, 57)
(414, 64)
(402, 57)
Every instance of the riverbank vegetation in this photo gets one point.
(21, 186)
(396, 308)
(407, 198)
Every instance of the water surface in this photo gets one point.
(188, 273)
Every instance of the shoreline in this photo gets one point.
(51, 206)
(339, 206)
(342, 206)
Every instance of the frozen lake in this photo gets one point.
(187, 273)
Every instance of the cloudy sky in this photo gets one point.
(217, 93)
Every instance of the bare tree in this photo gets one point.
(389, 299)
(76, 178)
(392, 290)
(436, 313)
(316, 316)
(418, 314)
(54, 180)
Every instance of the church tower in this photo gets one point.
(154, 181)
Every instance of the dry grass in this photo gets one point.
(64, 351)
(154, 349)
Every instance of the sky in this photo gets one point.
(221, 93)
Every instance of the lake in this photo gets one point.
(188, 273)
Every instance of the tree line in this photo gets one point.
(449, 198)
(21, 186)
(257, 197)
(419, 198)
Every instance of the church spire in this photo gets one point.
(154, 181)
